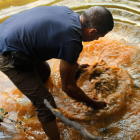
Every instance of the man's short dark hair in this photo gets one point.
(98, 17)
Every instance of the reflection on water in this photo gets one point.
(8, 3)
(119, 48)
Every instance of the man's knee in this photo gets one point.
(43, 113)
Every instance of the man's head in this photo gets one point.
(96, 22)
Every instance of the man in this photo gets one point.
(49, 32)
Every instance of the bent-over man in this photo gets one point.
(29, 38)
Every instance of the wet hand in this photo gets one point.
(83, 66)
(78, 72)
(98, 104)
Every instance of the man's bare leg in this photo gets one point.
(51, 130)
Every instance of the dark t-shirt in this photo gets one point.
(43, 33)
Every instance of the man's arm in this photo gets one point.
(67, 72)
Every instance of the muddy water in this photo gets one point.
(119, 50)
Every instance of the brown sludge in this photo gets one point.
(99, 82)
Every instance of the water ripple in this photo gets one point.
(16, 9)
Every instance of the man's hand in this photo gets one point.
(98, 104)
(79, 66)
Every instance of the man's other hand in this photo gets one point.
(82, 66)
(98, 104)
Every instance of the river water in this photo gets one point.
(119, 49)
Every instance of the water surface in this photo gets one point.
(119, 48)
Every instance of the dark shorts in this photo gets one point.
(31, 85)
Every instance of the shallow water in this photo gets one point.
(119, 48)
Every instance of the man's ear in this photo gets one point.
(93, 31)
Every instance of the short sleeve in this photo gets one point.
(70, 51)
